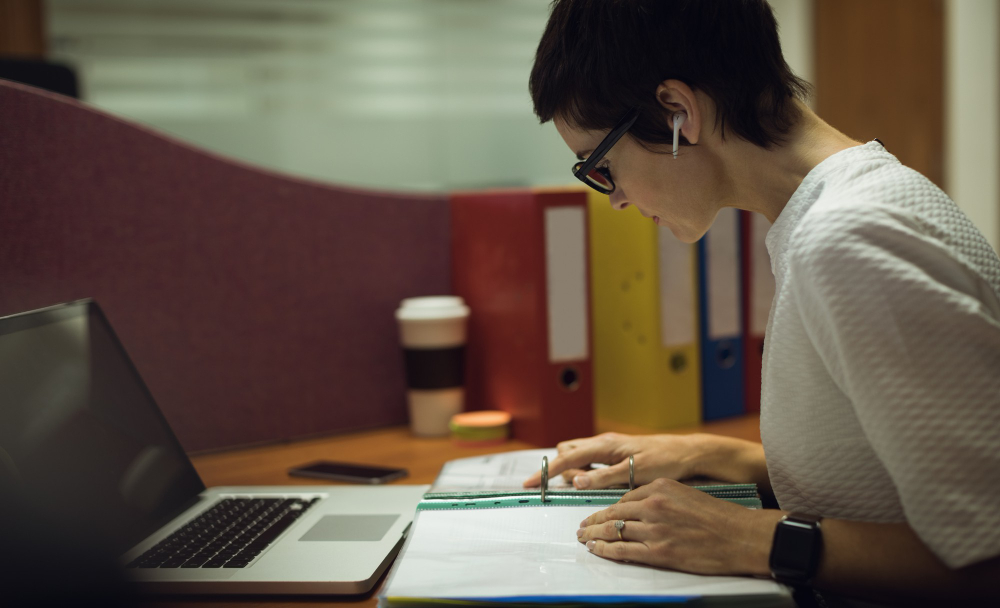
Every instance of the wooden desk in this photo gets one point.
(268, 465)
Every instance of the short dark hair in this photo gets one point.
(599, 58)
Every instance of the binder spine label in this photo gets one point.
(677, 290)
(566, 282)
(723, 275)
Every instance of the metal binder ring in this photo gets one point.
(631, 475)
(545, 476)
(620, 525)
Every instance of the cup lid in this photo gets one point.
(432, 308)
(432, 302)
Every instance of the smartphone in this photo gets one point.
(346, 471)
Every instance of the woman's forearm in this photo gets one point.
(881, 562)
(884, 562)
(888, 561)
(730, 459)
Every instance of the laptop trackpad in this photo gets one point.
(350, 527)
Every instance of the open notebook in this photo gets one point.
(478, 537)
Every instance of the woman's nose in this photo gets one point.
(618, 201)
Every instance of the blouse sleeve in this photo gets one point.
(910, 333)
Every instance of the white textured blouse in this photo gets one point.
(881, 376)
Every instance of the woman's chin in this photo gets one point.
(681, 234)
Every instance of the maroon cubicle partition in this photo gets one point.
(256, 306)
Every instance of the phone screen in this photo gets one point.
(345, 471)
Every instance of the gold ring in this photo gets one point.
(620, 525)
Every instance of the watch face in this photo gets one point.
(794, 553)
(796, 541)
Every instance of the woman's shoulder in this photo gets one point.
(868, 202)
(887, 220)
(875, 189)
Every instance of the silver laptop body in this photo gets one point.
(342, 544)
(77, 420)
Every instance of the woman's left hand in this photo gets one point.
(671, 525)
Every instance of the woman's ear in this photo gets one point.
(678, 98)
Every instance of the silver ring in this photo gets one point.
(545, 476)
(631, 473)
(620, 525)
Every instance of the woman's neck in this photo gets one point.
(764, 180)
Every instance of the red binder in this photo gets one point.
(520, 261)
(758, 292)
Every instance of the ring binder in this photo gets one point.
(721, 319)
(520, 260)
(470, 527)
(644, 294)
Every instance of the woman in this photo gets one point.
(880, 407)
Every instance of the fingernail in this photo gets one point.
(579, 532)
(590, 545)
(581, 482)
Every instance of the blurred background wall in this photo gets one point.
(431, 95)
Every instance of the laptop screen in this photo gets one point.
(80, 433)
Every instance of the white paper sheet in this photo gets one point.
(484, 553)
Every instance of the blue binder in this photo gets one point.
(720, 289)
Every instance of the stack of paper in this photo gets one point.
(504, 472)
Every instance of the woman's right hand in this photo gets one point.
(656, 456)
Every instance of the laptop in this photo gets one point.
(79, 428)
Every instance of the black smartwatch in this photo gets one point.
(795, 552)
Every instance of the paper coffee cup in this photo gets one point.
(432, 332)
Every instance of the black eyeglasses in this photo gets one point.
(600, 178)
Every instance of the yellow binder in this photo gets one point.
(644, 286)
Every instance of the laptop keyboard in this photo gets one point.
(229, 535)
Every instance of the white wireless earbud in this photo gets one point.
(678, 121)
